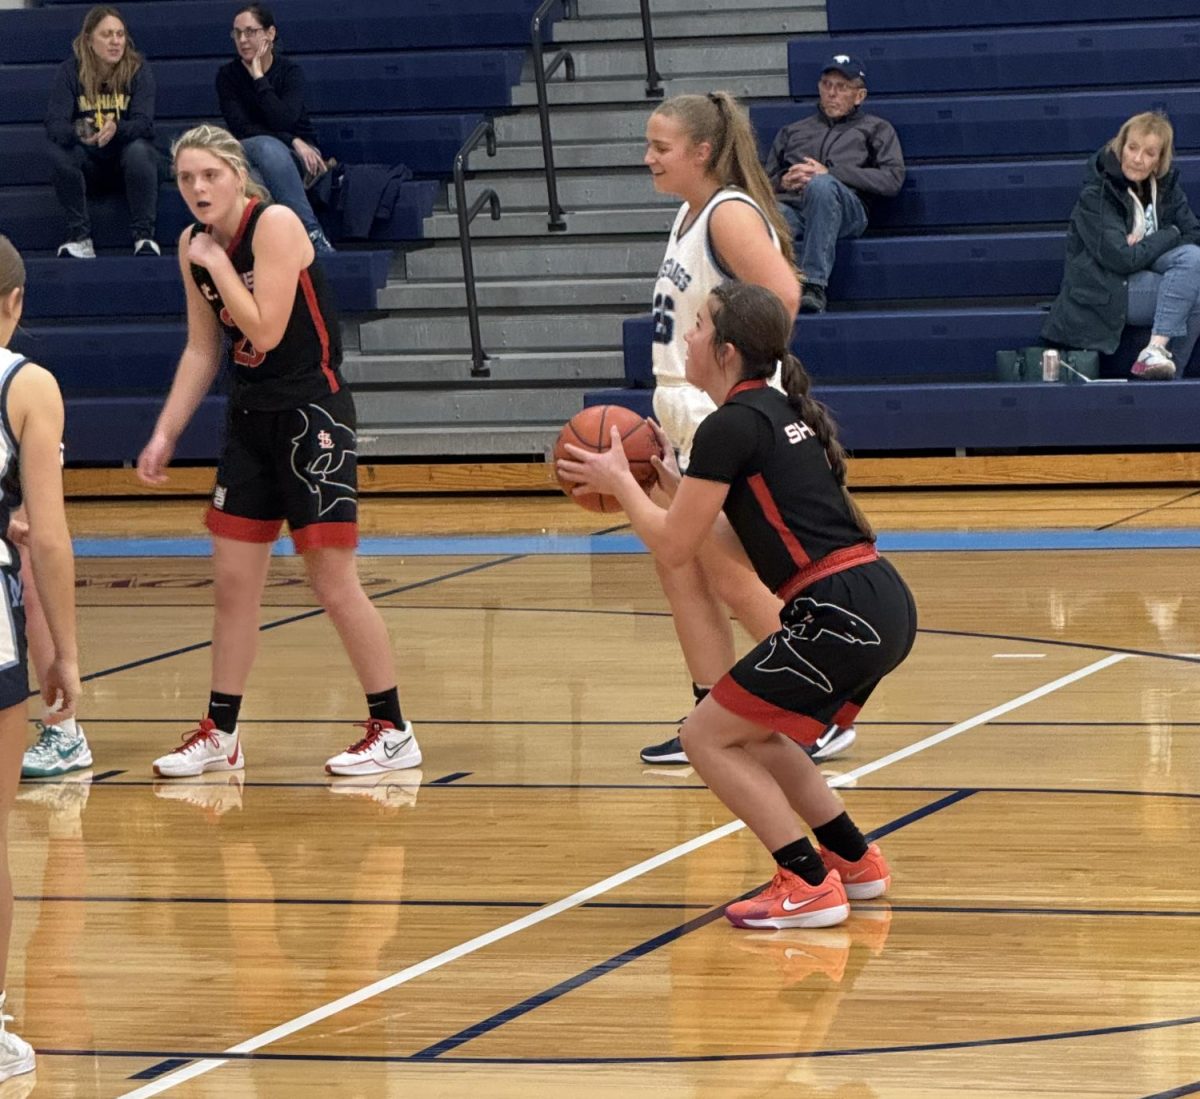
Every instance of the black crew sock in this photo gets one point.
(801, 859)
(385, 706)
(842, 837)
(699, 693)
(223, 710)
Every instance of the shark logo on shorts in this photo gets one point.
(330, 474)
(808, 620)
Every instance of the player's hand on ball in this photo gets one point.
(664, 462)
(592, 472)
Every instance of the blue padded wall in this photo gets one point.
(871, 15)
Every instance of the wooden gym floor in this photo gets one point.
(535, 912)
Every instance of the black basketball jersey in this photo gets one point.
(305, 365)
(784, 502)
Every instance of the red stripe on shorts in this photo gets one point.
(737, 700)
(325, 536)
(242, 530)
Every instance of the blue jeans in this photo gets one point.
(825, 212)
(1167, 297)
(279, 169)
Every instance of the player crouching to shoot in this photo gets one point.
(767, 478)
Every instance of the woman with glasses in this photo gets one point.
(100, 122)
(262, 100)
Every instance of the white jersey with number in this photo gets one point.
(690, 271)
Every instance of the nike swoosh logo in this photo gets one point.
(234, 758)
(788, 906)
(392, 753)
(856, 875)
(70, 750)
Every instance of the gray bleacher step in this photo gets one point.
(752, 54)
(469, 405)
(684, 24)
(441, 440)
(583, 124)
(629, 186)
(499, 332)
(694, 9)
(517, 158)
(510, 366)
(519, 293)
(557, 257)
(530, 223)
(561, 93)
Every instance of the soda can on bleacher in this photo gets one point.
(1051, 364)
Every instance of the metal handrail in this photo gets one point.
(654, 88)
(556, 224)
(466, 215)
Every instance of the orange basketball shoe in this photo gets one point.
(789, 901)
(867, 878)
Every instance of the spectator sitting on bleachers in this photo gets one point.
(1132, 255)
(100, 121)
(262, 99)
(827, 167)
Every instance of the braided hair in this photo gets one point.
(754, 321)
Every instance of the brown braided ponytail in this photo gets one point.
(755, 322)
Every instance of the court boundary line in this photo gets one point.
(445, 957)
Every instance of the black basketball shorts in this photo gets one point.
(300, 465)
(837, 639)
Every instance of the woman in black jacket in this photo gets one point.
(262, 99)
(1132, 255)
(100, 121)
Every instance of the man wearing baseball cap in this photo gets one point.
(827, 168)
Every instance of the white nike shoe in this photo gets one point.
(205, 748)
(58, 749)
(16, 1054)
(832, 742)
(384, 748)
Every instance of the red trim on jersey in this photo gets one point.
(749, 383)
(241, 229)
(771, 513)
(737, 700)
(325, 536)
(242, 530)
(846, 716)
(314, 310)
(837, 561)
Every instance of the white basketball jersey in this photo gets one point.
(689, 273)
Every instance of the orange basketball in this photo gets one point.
(590, 430)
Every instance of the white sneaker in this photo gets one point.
(78, 249)
(205, 748)
(832, 742)
(146, 247)
(59, 749)
(16, 1054)
(1154, 364)
(384, 748)
(392, 789)
(215, 796)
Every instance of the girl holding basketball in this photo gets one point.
(290, 453)
(31, 428)
(766, 484)
(702, 148)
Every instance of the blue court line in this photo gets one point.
(616, 543)
(682, 1059)
(1177, 1093)
(445, 780)
(161, 1069)
(493, 1022)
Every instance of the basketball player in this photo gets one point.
(702, 148)
(249, 272)
(31, 426)
(771, 463)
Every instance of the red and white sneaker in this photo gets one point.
(865, 879)
(205, 748)
(383, 748)
(789, 901)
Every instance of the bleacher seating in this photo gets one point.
(996, 122)
(388, 81)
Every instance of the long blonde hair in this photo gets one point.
(90, 76)
(223, 145)
(1154, 124)
(722, 121)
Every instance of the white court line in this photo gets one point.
(334, 1007)
(1018, 656)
